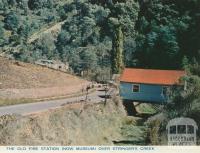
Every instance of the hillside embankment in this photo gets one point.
(20, 80)
(76, 124)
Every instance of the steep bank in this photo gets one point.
(73, 125)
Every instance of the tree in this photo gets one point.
(2, 5)
(46, 46)
(168, 31)
(24, 30)
(81, 35)
(124, 15)
(12, 21)
(12, 2)
(23, 4)
(117, 51)
(98, 27)
(185, 63)
(89, 60)
(194, 66)
(183, 101)
(129, 52)
(35, 4)
(158, 49)
(1, 34)
(49, 4)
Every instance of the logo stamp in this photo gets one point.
(182, 132)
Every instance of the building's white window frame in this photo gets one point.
(138, 88)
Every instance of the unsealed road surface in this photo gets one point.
(31, 108)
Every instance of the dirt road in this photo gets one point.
(53, 29)
(24, 109)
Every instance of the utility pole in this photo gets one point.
(106, 91)
(87, 89)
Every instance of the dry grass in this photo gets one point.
(76, 124)
(5, 102)
(20, 80)
(14, 74)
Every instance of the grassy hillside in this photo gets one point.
(20, 80)
(15, 74)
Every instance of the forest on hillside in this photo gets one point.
(101, 37)
(98, 36)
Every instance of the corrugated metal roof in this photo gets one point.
(150, 76)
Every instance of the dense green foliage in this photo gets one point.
(87, 39)
(101, 37)
(168, 31)
(92, 30)
(21, 18)
(168, 38)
